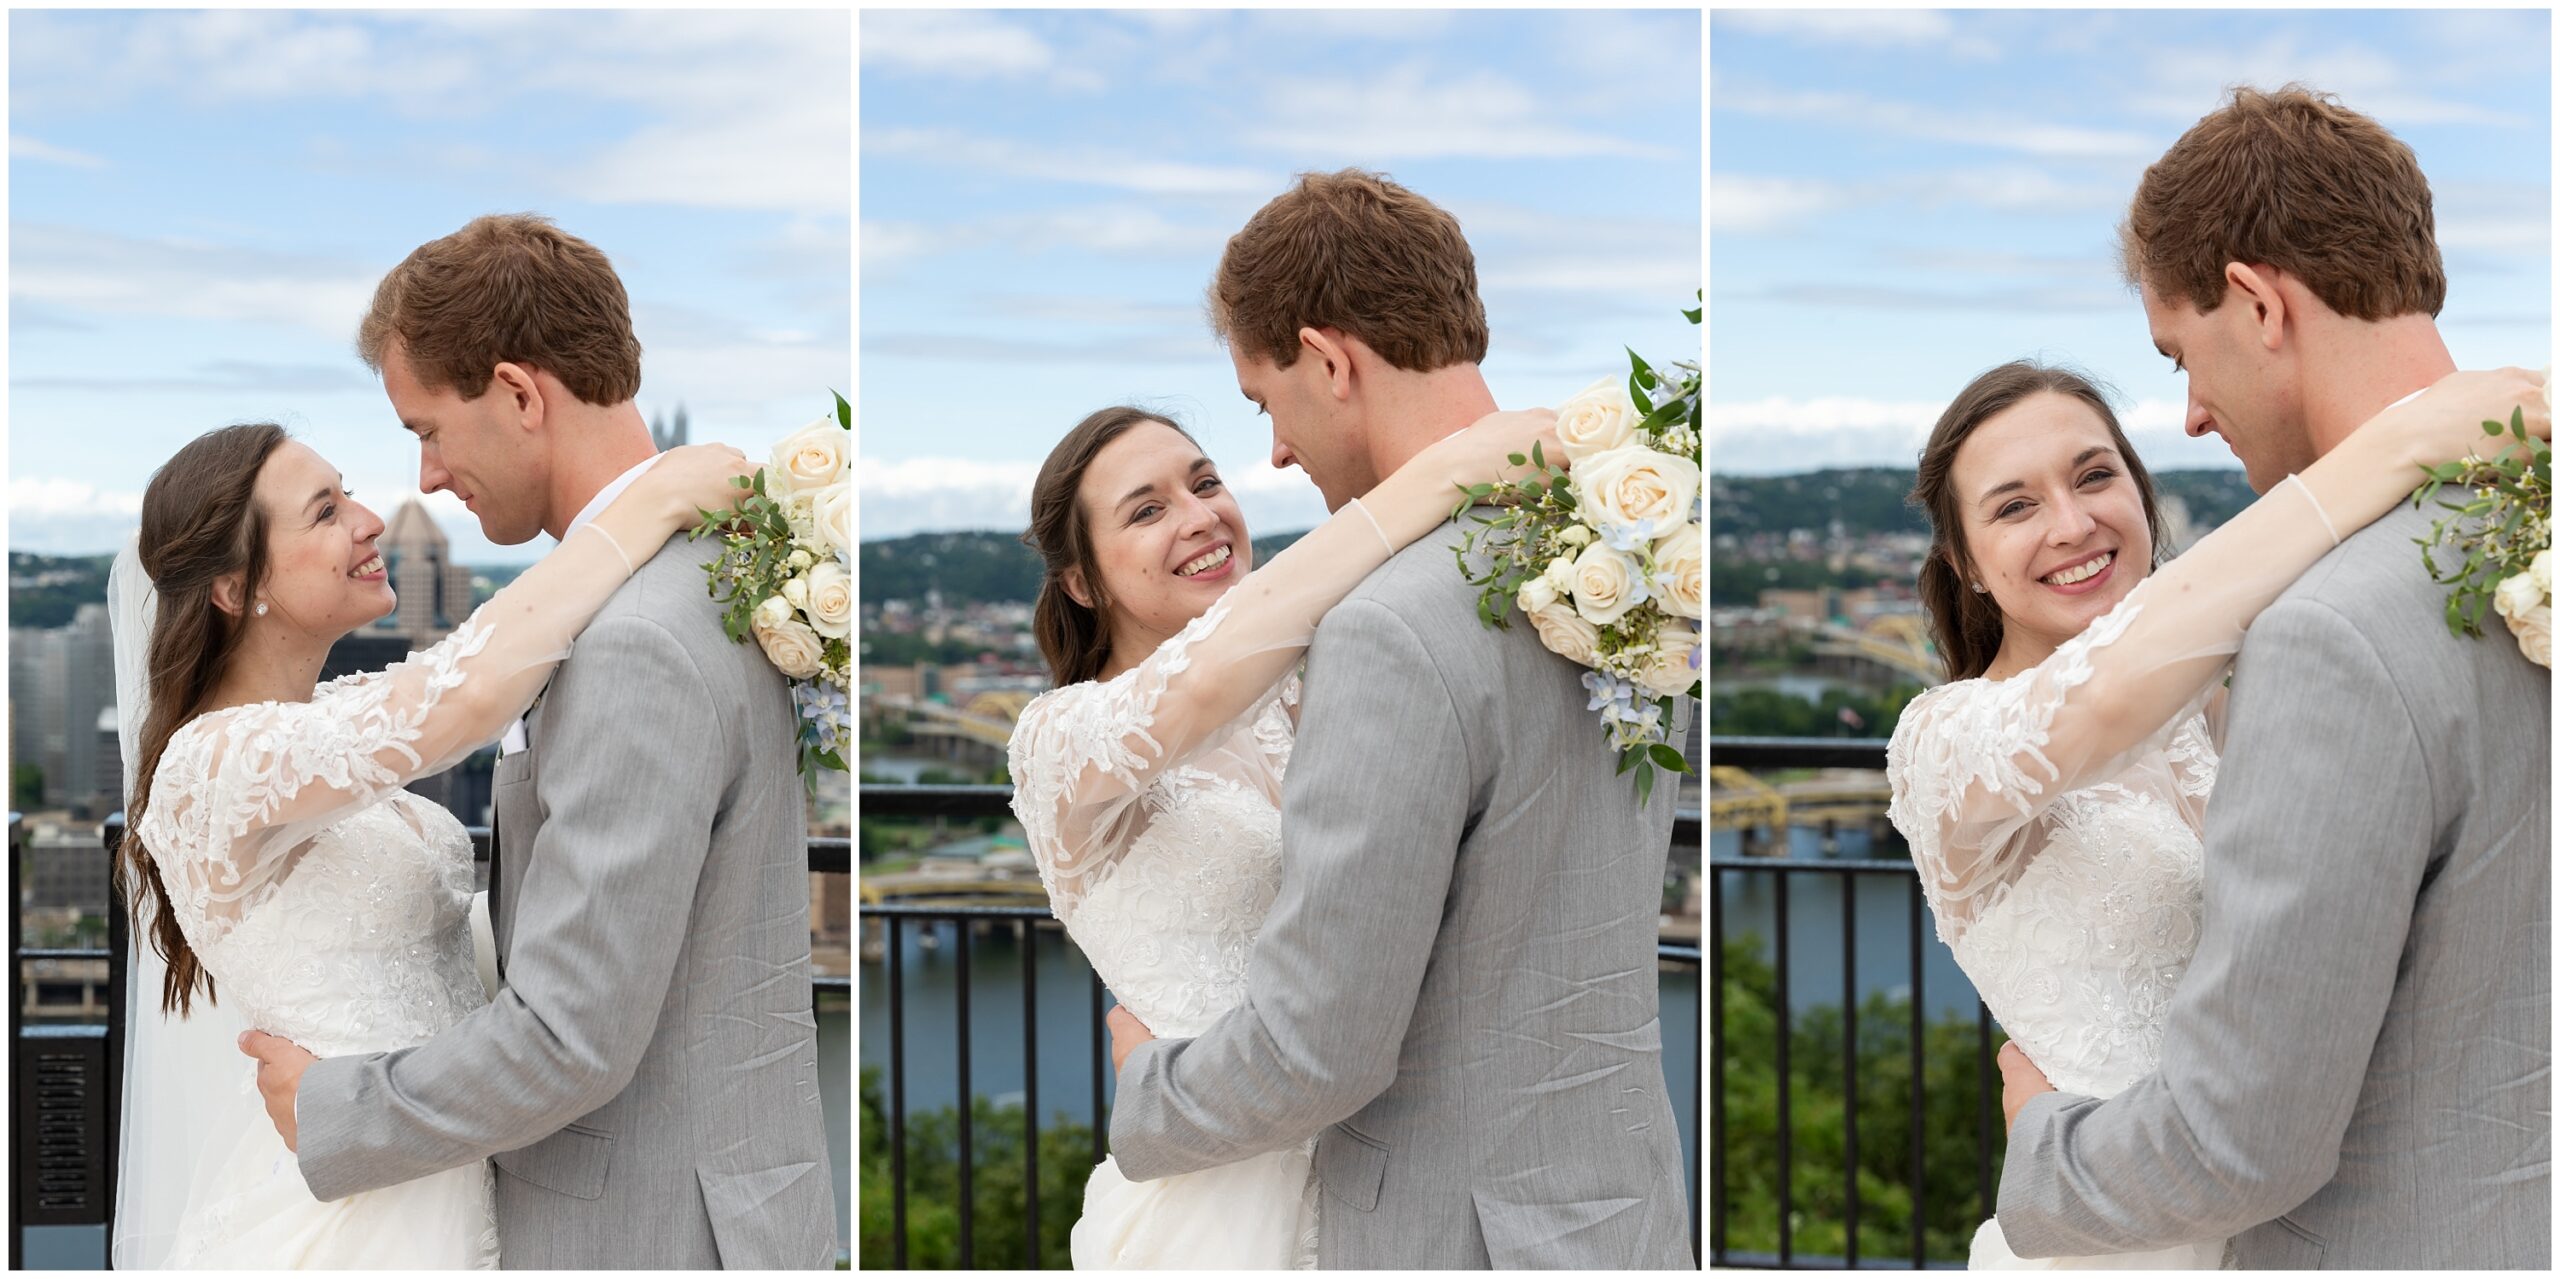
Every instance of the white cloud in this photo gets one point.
(1757, 204)
(1748, 203)
(2033, 137)
(54, 495)
(1409, 114)
(79, 269)
(22, 147)
(1083, 166)
(1864, 29)
(958, 45)
(2188, 81)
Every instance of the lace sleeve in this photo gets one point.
(239, 792)
(1083, 756)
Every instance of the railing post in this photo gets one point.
(1919, 1091)
(20, 1175)
(1849, 1051)
(1983, 1109)
(897, 1094)
(968, 1111)
(111, 835)
(1030, 1096)
(1786, 1093)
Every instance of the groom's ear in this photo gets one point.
(524, 402)
(2255, 287)
(1327, 345)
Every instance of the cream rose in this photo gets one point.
(1537, 595)
(1598, 419)
(1634, 485)
(1566, 635)
(831, 600)
(790, 645)
(1679, 564)
(774, 611)
(2533, 635)
(1604, 584)
(809, 460)
(832, 512)
(2541, 569)
(2517, 596)
(795, 592)
(1667, 673)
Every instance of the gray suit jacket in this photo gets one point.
(647, 1081)
(1457, 985)
(2356, 1072)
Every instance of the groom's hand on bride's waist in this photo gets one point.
(1127, 1032)
(2020, 1081)
(280, 1066)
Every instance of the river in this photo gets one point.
(1814, 922)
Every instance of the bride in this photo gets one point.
(273, 867)
(2054, 792)
(1148, 781)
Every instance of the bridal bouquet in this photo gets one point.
(785, 571)
(1606, 558)
(2504, 536)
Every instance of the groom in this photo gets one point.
(2356, 1072)
(1455, 993)
(646, 1082)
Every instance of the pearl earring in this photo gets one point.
(262, 605)
(1977, 589)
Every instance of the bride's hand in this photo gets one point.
(689, 480)
(2442, 423)
(1482, 452)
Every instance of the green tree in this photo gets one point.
(998, 1182)
(1950, 1119)
(26, 786)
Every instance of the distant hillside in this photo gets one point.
(972, 568)
(1867, 500)
(45, 590)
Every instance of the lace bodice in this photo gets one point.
(329, 906)
(2074, 901)
(1161, 863)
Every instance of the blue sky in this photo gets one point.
(1902, 199)
(1044, 195)
(201, 203)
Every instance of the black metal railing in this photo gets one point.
(1899, 876)
(66, 1081)
(973, 802)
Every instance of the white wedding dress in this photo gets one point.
(1166, 899)
(333, 909)
(355, 940)
(2072, 893)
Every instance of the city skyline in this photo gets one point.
(1903, 199)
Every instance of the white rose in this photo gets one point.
(1567, 635)
(1667, 672)
(2517, 596)
(1604, 584)
(831, 600)
(2541, 569)
(1559, 574)
(809, 460)
(1576, 536)
(791, 646)
(832, 512)
(796, 592)
(801, 558)
(1679, 564)
(1633, 485)
(774, 611)
(1537, 596)
(1598, 419)
(2533, 635)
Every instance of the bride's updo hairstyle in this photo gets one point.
(1965, 623)
(1073, 637)
(200, 522)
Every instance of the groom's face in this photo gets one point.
(2236, 388)
(1309, 429)
(471, 449)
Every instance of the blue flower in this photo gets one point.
(1635, 538)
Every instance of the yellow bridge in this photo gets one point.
(1898, 642)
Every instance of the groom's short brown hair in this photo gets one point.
(1351, 251)
(507, 288)
(2295, 181)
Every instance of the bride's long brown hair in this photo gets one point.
(200, 523)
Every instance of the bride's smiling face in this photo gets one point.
(323, 575)
(1167, 537)
(2052, 520)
